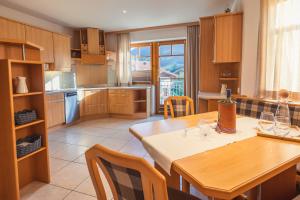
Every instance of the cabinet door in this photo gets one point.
(228, 38)
(55, 109)
(44, 39)
(12, 30)
(93, 41)
(94, 103)
(121, 102)
(62, 52)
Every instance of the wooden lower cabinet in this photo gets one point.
(55, 109)
(93, 102)
(120, 102)
(128, 103)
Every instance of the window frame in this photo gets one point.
(159, 107)
(139, 45)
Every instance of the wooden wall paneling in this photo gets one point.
(44, 39)
(209, 72)
(62, 52)
(228, 38)
(12, 30)
(93, 41)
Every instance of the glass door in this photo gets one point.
(171, 69)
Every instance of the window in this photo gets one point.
(171, 69)
(283, 46)
(141, 63)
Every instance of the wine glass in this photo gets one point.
(282, 125)
(266, 121)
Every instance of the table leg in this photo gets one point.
(173, 180)
(280, 187)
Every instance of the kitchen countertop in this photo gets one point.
(210, 95)
(99, 88)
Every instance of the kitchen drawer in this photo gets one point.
(55, 96)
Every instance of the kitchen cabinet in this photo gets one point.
(92, 46)
(55, 109)
(41, 38)
(93, 41)
(228, 38)
(10, 30)
(120, 101)
(62, 53)
(220, 52)
(93, 102)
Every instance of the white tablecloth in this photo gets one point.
(168, 147)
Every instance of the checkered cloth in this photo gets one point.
(179, 106)
(128, 184)
(254, 108)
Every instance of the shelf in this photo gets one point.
(139, 101)
(27, 94)
(228, 79)
(31, 154)
(29, 124)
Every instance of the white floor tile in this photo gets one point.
(79, 196)
(68, 152)
(57, 164)
(70, 176)
(38, 191)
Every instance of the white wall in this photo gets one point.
(159, 34)
(31, 20)
(251, 9)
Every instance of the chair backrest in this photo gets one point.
(179, 106)
(129, 177)
(254, 108)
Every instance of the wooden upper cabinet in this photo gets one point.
(62, 52)
(44, 39)
(93, 41)
(228, 38)
(10, 30)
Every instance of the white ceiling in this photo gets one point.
(107, 14)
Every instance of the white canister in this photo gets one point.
(223, 89)
(21, 85)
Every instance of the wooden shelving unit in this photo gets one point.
(141, 99)
(228, 79)
(16, 172)
(27, 94)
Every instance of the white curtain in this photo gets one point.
(123, 69)
(279, 52)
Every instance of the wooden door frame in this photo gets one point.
(159, 108)
(155, 66)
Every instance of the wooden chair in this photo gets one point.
(129, 177)
(179, 106)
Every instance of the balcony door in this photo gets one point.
(171, 56)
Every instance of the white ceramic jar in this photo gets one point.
(21, 85)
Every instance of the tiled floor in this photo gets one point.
(69, 175)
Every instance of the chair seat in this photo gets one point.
(174, 194)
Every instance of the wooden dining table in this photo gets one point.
(263, 168)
